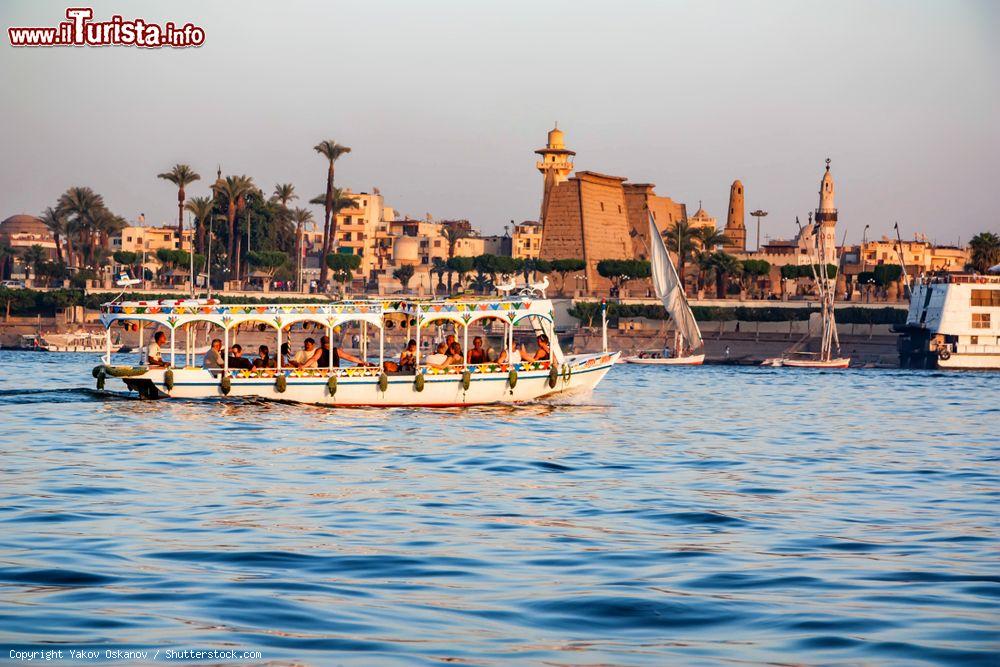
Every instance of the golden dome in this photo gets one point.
(556, 139)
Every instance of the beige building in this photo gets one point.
(20, 232)
(525, 240)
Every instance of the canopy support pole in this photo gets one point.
(141, 353)
(225, 351)
(329, 354)
(381, 344)
(173, 348)
(465, 346)
(107, 345)
(278, 355)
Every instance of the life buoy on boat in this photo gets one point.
(383, 382)
(512, 379)
(280, 384)
(944, 354)
(168, 379)
(466, 379)
(553, 376)
(418, 382)
(331, 385)
(225, 385)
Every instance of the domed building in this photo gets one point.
(20, 232)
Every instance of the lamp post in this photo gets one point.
(758, 214)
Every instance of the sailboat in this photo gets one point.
(829, 338)
(687, 336)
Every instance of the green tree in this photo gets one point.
(621, 271)
(58, 226)
(268, 261)
(564, 267)
(723, 266)
(83, 209)
(886, 274)
(202, 209)
(343, 266)
(755, 269)
(180, 175)
(233, 191)
(332, 151)
(403, 274)
(283, 193)
(462, 266)
(439, 268)
(680, 239)
(985, 251)
(33, 256)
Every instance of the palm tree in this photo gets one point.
(453, 234)
(234, 189)
(337, 203)
(82, 207)
(201, 208)
(33, 256)
(55, 220)
(181, 175)
(283, 193)
(707, 240)
(724, 266)
(985, 248)
(332, 151)
(678, 241)
(301, 217)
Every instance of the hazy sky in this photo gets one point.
(444, 103)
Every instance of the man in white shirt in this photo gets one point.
(303, 356)
(439, 358)
(154, 355)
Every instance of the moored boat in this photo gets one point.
(953, 323)
(667, 283)
(371, 383)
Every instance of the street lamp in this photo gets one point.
(758, 214)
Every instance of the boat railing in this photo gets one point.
(375, 371)
(960, 279)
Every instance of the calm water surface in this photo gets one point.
(683, 516)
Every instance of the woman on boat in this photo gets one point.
(543, 353)
(477, 355)
(264, 358)
(455, 356)
(326, 356)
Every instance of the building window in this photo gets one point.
(980, 320)
(986, 298)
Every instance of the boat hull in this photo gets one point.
(353, 389)
(693, 360)
(843, 362)
(981, 362)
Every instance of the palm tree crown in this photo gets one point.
(332, 151)
(181, 175)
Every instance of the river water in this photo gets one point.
(684, 516)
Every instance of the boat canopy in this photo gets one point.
(173, 314)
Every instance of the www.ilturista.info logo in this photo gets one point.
(79, 30)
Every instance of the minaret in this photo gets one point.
(556, 165)
(736, 229)
(826, 215)
(826, 212)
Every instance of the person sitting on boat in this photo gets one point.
(455, 356)
(264, 358)
(154, 355)
(407, 358)
(236, 358)
(303, 355)
(213, 358)
(513, 357)
(477, 355)
(440, 357)
(286, 355)
(543, 353)
(326, 356)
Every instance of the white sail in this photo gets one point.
(669, 289)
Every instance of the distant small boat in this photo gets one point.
(687, 335)
(650, 359)
(830, 340)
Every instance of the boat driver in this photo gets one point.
(154, 354)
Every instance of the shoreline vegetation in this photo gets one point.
(30, 302)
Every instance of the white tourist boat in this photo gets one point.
(953, 322)
(367, 385)
(687, 335)
(81, 341)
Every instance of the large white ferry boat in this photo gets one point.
(377, 380)
(953, 322)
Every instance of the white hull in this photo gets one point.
(981, 362)
(693, 360)
(360, 387)
(841, 362)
